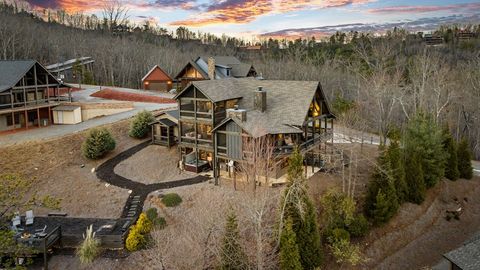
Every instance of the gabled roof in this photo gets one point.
(11, 72)
(153, 69)
(288, 102)
(195, 66)
(69, 64)
(239, 69)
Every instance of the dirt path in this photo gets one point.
(139, 190)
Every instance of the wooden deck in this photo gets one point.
(111, 232)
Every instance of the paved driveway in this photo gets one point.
(476, 167)
(83, 96)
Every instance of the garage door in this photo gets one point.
(158, 86)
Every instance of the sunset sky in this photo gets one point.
(256, 17)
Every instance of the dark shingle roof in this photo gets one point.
(467, 257)
(167, 122)
(174, 113)
(287, 102)
(239, 69)
(11, 72)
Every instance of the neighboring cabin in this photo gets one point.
(216, 116)
(28, 92)
(66, 71)
(212, 68)
(157, 79)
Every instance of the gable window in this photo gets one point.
(228, 72)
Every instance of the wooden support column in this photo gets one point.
(24, 92)
(49, 116)
(26, 119)
(36, 83)
(38, 117)
(13, 119)
(48, 90)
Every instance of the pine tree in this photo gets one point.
(308, 238)
(414, 178)
(289, 253)
(304, 220)
(233, 256)
(383, 181)
(382, 209)
(451, 167)
(396, 162)
(424, 138)
(464, 160)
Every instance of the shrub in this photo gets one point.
(359, 226)
(152, 213)
(464, 160)
(339, 234)
(98, 143)
(135, 240)
(144, 225)
(90, 247)
(160, 222)
(139, 126)
(171, 199)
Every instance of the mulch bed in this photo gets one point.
(125, 96)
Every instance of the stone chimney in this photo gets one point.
(260, 100)
(240, 114)
(211, 68)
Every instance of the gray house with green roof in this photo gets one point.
(217, 116)
(28, 92)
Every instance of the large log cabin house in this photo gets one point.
(215, 116)
(28, 92)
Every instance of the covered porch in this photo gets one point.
(163, 132)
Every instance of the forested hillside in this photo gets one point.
(375, 83)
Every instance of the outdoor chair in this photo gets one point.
(41, 230)
(16, 221)
(29, 217)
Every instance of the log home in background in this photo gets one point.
(157, 79)
(67, 72)
(216, 116)
(28, 92)
(214, 68)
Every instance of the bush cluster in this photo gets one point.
(98, 143)
(137, 237)
(139, 126)
(171, 199)
(158, 222)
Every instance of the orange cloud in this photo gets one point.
(245, 11)
(70, 6)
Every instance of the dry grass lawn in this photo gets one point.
(152, 164)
